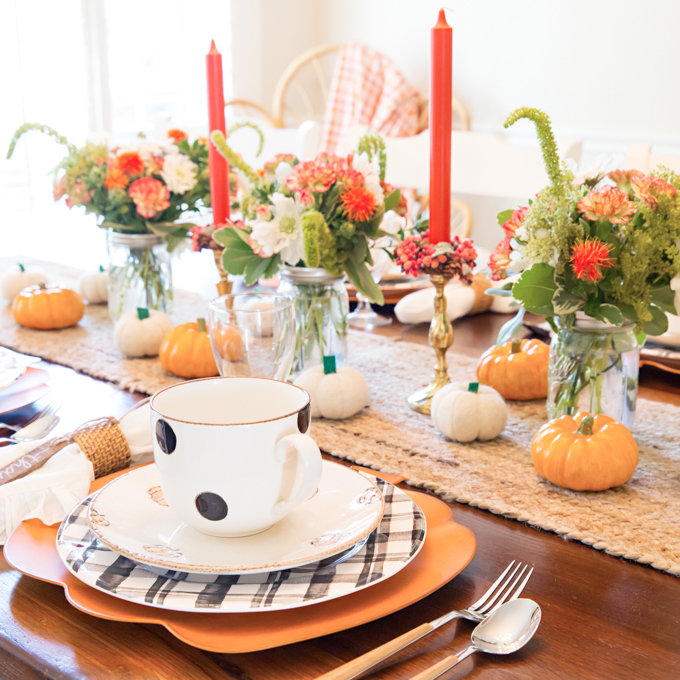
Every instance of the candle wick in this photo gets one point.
(449, 8)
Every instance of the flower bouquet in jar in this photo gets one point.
(313, 222)
(599, 258)
(138, 192)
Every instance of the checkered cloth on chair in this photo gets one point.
(367, 89)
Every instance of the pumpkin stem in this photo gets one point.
(202, 328)
(473, 387)
(42, 285)
(101, 267)
(586, 426)
(21, 267)
(142, 313)
(329, 364)
(516, 345)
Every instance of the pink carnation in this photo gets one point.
(263, 212)
(608, 203)
(313, 175)
(305, 198)
(79, 195)
(59, 189)
(515, 221)
(150, 196)
(649, 189)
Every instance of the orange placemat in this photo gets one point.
(448, 549)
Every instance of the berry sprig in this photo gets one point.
(416, 255)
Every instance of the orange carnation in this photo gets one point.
(150, 196)
(130, 163)
(358, 204)
(177, 135)
(648, 189)
(116, 179)
(609, 203)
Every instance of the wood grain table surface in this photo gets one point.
(603, 617)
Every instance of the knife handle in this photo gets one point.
(5, 442)
(356, 667)
(435, 671)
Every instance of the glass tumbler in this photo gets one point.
(253, 334)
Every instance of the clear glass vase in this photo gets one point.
(594, 368)
(140, 273)
(321, 309)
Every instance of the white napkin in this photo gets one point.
(418, 307)
(53, 490)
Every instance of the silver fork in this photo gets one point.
(489, 602)
(48, 410)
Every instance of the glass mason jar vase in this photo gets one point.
(140, 274)
(593, 368)
(321, 308)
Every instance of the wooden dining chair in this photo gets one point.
(640, 157)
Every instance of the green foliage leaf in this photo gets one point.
(664, 297)
(611, 313)
(511, 327)
(500, 292)
(392, 200)
(254, 269)
(362, 279)
(659, 323)
(504, 216)
(603, 230)
(565, 301)
(174, 239)
(535, 289)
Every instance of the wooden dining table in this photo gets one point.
(602, 617)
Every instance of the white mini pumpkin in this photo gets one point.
(94, 286)
(468, 411)
(140, 333)
(334, 395)
(17, 277)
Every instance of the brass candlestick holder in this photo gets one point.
(441, 338)
(224, 284)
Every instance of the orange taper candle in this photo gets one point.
(440, 132)
(219, 169)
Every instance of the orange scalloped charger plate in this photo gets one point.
(448, 549)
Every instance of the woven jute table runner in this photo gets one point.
(639, 521)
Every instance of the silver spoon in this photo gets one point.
(504, 631)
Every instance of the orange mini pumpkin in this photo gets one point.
(585, 453)
(229, 343)
(48, 306)
(517, 369)
(186, 351)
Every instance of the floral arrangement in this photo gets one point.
(607, 247)
(140, 188)
(324, 213)
(416, 255)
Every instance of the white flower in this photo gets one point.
(521, 233)
(675, 285)
(371, 172)
(146, 149)
(283, 172)
(519, 264)
(542, 233)
(283, 233)
(179, 173)
(601, 166)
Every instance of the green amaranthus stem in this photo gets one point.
(247, 123)
(234, 160)
(373, 144)
(544, 131)
(27, 127)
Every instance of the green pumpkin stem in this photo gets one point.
(516, 345)
(42, 285)
(202, 328)
(101, 267)
(586, 426)
(142, 313)
(21, 267)
(473, 387)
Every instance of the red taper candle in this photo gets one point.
(440, 132)
(219, 169)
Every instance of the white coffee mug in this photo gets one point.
(229, 450)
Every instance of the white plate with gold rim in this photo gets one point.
(130, 516)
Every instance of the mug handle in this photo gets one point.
(310, 456)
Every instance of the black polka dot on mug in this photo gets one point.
(211, 506)
(165, 436)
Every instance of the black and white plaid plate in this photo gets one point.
(389, 549)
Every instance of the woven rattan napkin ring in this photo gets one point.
(101, 440)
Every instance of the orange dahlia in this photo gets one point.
(608, 203)
(358, 204)
(130, 163)
(648, 189)
(589, 257)
(515, 222)
(177, 135)
(116, 179)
